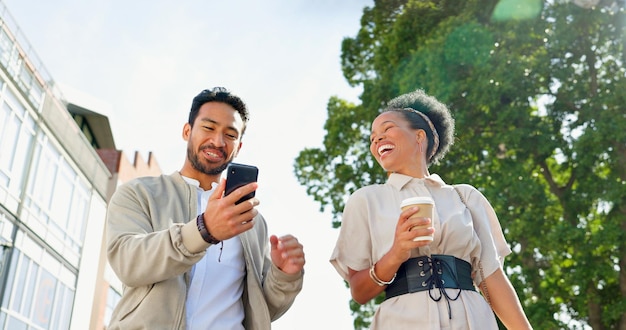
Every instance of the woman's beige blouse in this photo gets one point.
(367, 233)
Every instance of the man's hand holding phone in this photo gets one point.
(230, 210)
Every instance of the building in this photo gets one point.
(58, 168)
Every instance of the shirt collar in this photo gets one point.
(400, 180)
(196, 183)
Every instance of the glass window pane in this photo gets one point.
(8, 138)
(11, 278)
(29, 290)
(63, 308)
(62, 195)
(18, 289)
(113, 297)
(44, 300)
(15, 324)
(79, 212)
(40, 299)
(46, 168)
(14, 103)
(5, 47)
(22, 150)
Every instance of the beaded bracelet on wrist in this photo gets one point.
(204, 232)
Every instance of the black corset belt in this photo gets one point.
(435, 274)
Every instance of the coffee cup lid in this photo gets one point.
(417, 200)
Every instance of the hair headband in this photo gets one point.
(432, 128)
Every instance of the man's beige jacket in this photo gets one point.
(152, 242)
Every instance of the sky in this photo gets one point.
(141, 62)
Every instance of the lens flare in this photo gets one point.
(507, 10)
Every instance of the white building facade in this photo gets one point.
(54, 189)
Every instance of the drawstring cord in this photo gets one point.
(219, 258)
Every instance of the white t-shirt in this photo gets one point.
(214, 298)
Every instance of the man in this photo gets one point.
(188, 256)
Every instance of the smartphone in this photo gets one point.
(239, 175)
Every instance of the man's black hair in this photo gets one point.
(218, 94)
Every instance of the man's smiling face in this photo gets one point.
(215, 138)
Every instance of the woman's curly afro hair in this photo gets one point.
(437, 112)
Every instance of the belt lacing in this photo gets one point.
(435, 280)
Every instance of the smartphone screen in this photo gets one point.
(239, 175)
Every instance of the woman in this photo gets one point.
(428, 284)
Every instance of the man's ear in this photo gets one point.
(186, 131)
(238, 148)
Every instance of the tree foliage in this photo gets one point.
(537, 92)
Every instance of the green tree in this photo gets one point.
(537, 90)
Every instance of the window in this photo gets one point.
(6, 47)
(113, 297)
(40, 290)
(86, 129)
(17, 130)
(56, 201)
